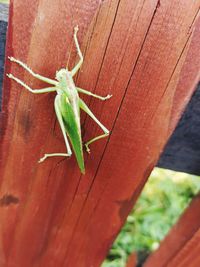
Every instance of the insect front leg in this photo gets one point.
(34, 91)
(62, 126)
(40, 77)
(84, 107)
(80, 90)
(77, 67)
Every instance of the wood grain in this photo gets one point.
(182, 152)
(189, 255)
(134, 50)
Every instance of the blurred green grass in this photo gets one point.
(4, 1)
(163, 199)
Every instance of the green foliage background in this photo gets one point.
(163, 199)
(4, 1)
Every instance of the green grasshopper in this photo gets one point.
(67, 106)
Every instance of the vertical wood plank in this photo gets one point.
(40, 34)
(132, 260)
(189, 255)
(51, 215)
(138, 134)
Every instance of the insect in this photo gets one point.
(67, 106)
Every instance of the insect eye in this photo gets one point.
(59, 74)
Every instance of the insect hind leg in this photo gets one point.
(62, 126)
(54, 155)
(84, 107)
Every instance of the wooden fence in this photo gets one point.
(181, 247)
(146, 53)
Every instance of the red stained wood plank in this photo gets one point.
(189, 255)
(133, 50)
(184, 235)
(132, 260)
(43, 40)
(189, 77)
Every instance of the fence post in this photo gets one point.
(182, 242)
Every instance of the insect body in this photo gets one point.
(67, 106)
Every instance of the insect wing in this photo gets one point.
(72, 126)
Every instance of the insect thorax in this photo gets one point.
(65, 83)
